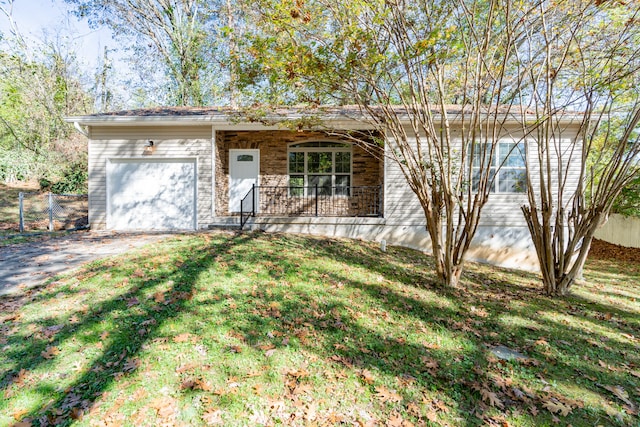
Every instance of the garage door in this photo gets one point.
(151, 194)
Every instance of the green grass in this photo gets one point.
(260, 329)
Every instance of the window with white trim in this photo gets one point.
(507, 172)
(324, 164)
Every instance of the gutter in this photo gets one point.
(271, 122)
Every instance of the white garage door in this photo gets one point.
(151, 194)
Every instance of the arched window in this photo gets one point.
(324, 164)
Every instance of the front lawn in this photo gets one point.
(259, 329)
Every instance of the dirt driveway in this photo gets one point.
(26, 265)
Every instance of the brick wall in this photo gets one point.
(367, 168)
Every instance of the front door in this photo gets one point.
(244, 168)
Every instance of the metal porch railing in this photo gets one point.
(365, 201)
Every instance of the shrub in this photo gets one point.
(74, 180)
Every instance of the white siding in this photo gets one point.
(564, 149)
(401, 205)
(403, 208)
(129, 142)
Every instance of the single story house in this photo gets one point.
(184, 168)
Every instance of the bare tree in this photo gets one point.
(403, 64)
(583, 62)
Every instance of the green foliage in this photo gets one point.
(38, 88)
(16, 165)
(628, 202)
(175, 46)
(74, 180)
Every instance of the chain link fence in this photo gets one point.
(48, 211)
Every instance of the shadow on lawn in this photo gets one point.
(324, 323)
(135, 328)
(457, 369)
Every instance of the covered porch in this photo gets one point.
(288, 174)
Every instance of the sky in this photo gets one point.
(42, 19)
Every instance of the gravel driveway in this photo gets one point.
(26, 265)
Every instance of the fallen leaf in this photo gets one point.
(132, 301)
(138, 273)
(184, 337)
(20, 377)
(131, 365)
(556, 407)
(440, 405)
(186, 367)
(620, 393)
(50, 352)
(188, 384)
(298, 373)
(266, 347)
(386, 395)
(17, 415)
(432, 416)
(431, 364)
(147, 322)
(159, 297)
(395, 420)
(76, 413)
(204, 385)
(541, 341)
(491, 398)
(413, 409)
(236, 349)
(366, 376)
(335, 418)
(213, 417)
(166, 408)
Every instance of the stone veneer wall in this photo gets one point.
(367, 170)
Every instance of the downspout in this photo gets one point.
(80, 129)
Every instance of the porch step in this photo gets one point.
(227, 223)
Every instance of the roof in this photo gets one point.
(350, 116)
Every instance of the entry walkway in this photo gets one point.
(26, 265)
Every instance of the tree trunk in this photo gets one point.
(560, 265)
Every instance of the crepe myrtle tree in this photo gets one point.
(433, 77)
(582, 62)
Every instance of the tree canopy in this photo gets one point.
(176, 44)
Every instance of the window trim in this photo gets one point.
(498, 168)
(311, 147)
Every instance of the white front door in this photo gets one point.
(244, 168)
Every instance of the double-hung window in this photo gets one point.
(507, 169)
(323, 165)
